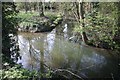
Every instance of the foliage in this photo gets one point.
(30, 19)
(22, 16)
(9, 47)
(30, 5)
(21, 73)
(101, 24)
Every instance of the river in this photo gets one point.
(54, 49)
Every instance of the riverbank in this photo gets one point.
(32, 22)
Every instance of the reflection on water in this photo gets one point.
(65, 30)
(50, 41)
(95, 59)
(57, 52)
(27, 60)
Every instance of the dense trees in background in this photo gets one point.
(36, 6)
(98, 22)
(102, 25)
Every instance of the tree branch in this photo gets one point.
(62, 70)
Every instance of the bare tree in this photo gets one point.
(79, 15)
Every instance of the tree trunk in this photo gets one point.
(40, 9)
(50, 6)
(81, 13)
(26, 7)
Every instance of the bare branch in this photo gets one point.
(61, 70)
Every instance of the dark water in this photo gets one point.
(55, 50)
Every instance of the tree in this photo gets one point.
(84, 36)
(26, 7)
(102, 25)
(9, 46)
(79, 14)
(76, 10)
(40, 8)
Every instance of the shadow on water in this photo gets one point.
(55, 50)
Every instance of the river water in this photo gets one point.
(54, 49)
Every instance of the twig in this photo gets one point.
(47, 66)
(61, 70)
(87, 67)
(69, 72)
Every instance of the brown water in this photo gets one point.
(56, 51)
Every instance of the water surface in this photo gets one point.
(55, 50)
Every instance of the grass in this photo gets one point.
(28, 15)
(22, 16)
(51, 14)
(30, 19)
